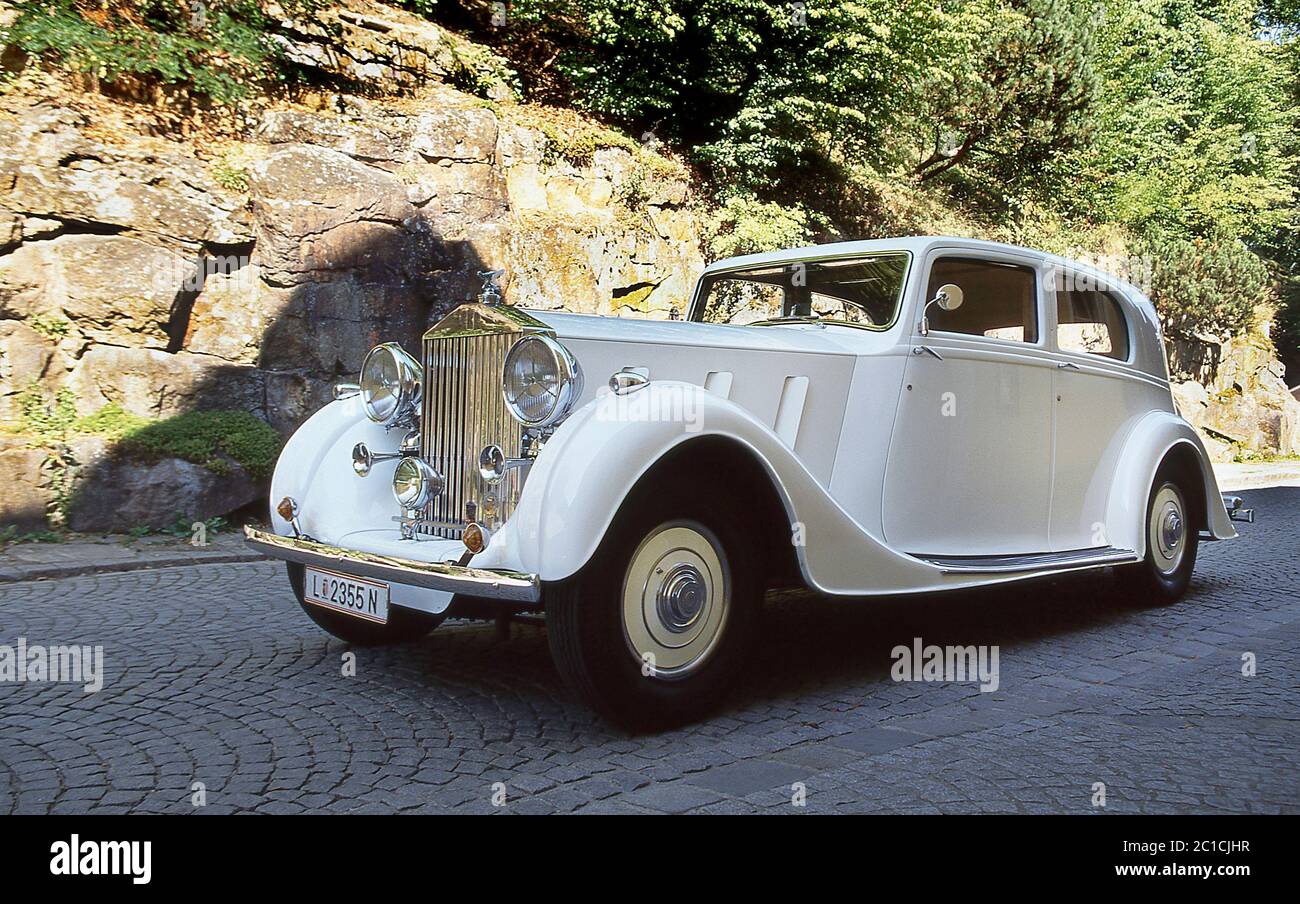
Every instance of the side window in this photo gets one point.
(1091, 321)
(1001, 300)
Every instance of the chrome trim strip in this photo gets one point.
(503, 585)
(1031, 562)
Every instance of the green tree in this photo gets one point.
(780, 99)
(1279, 21)
(1014, 91)
(1193, 135)
(220, 48)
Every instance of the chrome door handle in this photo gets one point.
(1064, 365)
(926, 350)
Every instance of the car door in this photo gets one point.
(1099, 395)
(970, 456)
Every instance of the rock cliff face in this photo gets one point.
(139, 272)
(130, 275)
(1237, 397)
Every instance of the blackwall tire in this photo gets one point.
(1172, 541)
(654, 630)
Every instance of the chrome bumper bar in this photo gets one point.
(501, 585)
(1236, 512)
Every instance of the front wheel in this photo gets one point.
(403, 624)
(654, 629)
(1171, 540)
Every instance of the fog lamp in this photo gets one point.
(415, 482)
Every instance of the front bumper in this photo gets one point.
(493, 584)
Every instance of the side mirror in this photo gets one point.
(948, 298)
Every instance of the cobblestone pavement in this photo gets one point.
(213, 675)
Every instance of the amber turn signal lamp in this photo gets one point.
(475, 537)
(287, 509)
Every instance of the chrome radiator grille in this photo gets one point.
(463, 412)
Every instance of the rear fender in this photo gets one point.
(1152, 440)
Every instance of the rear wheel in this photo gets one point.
(403, 624)
(1172, 539)
(654, 629)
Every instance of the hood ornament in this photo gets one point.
(491, 291)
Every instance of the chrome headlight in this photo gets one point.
(390, 384)
(541, 381)
(415, 482)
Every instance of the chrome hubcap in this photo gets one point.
(1168, 529)
(683, 595)
(676, 596)
(1171, 531)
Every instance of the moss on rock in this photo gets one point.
(211, 438)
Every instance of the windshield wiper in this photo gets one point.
(802, 318)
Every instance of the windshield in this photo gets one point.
(861, 291)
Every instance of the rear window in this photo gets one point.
(1091, 322)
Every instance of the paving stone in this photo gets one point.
(672, 797)
(878, 740)
(748, 776)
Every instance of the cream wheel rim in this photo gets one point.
(676, 597)
(1167, 530)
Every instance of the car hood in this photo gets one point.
(801, 372)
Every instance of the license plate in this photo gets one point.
(344, 593)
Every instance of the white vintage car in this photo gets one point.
(863, 419)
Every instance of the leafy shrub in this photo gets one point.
(49, 326)
(110, 422)
(1206, 288)
(10, 534)
(219, 49)
(207, 438)
(745, 225)
(230, 173)
(46, 419)
(476, 70)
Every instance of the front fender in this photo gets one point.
(1154, 437)
(315, 468)
(592, 462)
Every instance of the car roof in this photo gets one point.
(918, 244)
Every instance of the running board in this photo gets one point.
(1035, 561)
